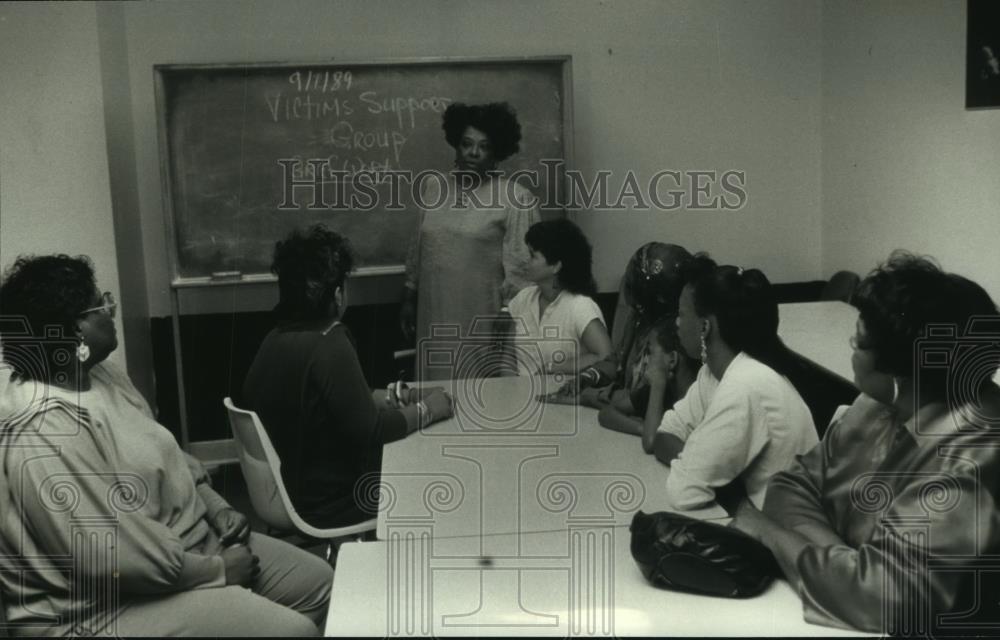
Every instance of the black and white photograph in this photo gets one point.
(434, 318)
(982, 82)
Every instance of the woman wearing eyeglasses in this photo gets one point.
(888, 522)
(114, 528)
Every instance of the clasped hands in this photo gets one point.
(437, 401)
(233, 529)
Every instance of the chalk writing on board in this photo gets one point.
(235, 135)
(344, 136)
(284, 108)
(331, 80)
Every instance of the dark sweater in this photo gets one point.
(307, 387)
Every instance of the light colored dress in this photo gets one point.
(749, 425)
(466, 262)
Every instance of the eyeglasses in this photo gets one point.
(859, 345)
(108, 307)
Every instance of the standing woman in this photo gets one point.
(468, 256)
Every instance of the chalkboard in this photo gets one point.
(234, 138)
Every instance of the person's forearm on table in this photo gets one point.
(592, 397)
(785, 544)
(654, 414)
(666, 447)
(611, 418)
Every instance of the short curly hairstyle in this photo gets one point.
(41, 299)
(310, 265)
(900, 298)
(560, 240)
(497, 120)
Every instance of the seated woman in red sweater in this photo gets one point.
(307, 386)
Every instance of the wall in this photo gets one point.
(904, 163)
(124, 198)
(713, 85)
(657, 85)
(54, 185)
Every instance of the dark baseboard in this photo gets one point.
(219, 349)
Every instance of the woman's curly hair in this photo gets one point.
(898, 302)
(497, 120)
(40, 301)
(310, 266)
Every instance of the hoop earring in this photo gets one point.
(82, 351)
(895, 389)
(704, 349)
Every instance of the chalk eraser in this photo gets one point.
(227, 275)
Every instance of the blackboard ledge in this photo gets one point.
(264, 278)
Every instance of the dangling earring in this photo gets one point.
(704, 349)
(895, 389)
(82, 351)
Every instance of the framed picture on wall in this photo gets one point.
(982, 66)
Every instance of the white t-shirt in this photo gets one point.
(751, 424)
(555, 335)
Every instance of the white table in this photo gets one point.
(821, 332)
(508, 463)
(582, 581)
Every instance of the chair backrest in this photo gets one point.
(262, 471)
(261, 468)
(841, 287)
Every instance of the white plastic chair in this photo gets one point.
(262, 471)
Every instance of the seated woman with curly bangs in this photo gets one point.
(558, 312)
(114, 529)
(905, 477)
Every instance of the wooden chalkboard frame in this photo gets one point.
(564, 62)
(182, 287)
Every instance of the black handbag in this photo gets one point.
(680, 553)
